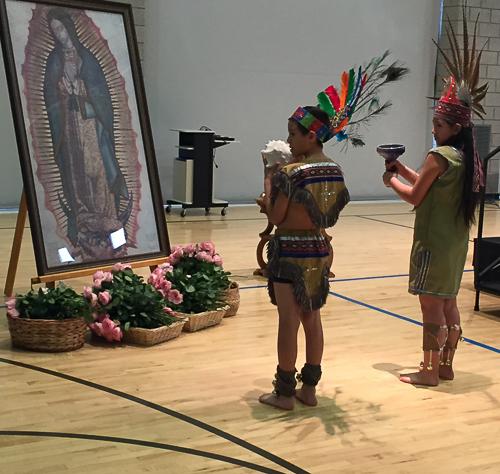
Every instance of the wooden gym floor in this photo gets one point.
(190, 405)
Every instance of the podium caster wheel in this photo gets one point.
(223, 211)
(207, 211)
(168, 209)
(183, 213)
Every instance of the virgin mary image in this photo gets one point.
(91, 175)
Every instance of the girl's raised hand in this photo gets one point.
(386, 178)
(393, 166)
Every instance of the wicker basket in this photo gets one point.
(197, 321)
(150, 337)
(232, 298)
(47, 335)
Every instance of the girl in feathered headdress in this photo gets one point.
(301, 199)
(445, 193)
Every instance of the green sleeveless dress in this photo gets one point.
(441, 237)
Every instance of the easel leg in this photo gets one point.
(16, 246)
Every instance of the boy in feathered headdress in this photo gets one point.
(301, 199)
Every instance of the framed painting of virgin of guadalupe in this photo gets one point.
(83, 133)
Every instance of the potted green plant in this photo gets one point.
(129, 309)
(48, 319)
(198, 274)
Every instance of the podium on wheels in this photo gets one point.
(194, 171)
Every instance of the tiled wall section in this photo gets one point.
(139, 8)
(489, 36)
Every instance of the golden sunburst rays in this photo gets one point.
(39, 45)
(124, 137)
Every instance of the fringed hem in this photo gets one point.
(281, 182)
(417, 291)
(294, 273)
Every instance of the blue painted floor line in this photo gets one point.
(341, 280)
(408, 320)
(384, 311)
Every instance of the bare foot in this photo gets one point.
(446, 372)
(278, 401)
(307, 395)
(425, 377)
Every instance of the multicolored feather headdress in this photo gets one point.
(462, 94)
(356, 104)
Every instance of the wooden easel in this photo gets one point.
(50, 280)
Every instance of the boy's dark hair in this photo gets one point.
(464, 142)
(321, 115)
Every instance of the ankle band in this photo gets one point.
(310, 374)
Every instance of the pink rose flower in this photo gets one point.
(175, 296)
(168, 311)
(110, 330)
(118, 267)
(154, 278)
(166, 285)
(189, 249)
(208, 247)
(217, 260)
(104, 297)
(93, 300)
(97, 283)
(87, 292)
(204, 257)
(166, 267)
(11, 308)
(107, 328)
(175, 256)
(98, 275)
(108, 276)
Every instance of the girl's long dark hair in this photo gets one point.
(464, 142)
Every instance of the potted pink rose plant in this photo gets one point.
(129, 309)
(196, 271)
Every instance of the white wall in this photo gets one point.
(10, 170)
(241, 67)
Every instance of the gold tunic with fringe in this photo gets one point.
(301, 257)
